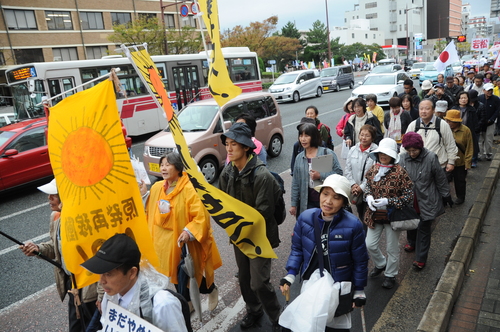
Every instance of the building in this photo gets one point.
(464, 27)
(495, 8)
(478, 26)
(358, 32)
(48, 30)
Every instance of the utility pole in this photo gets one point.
(328, 33)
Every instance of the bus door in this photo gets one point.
(186, 84)
(59, 85)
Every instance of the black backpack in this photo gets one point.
(437, 127)
(185, 308)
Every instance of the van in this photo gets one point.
(202, 127)
(295, 85)
(335, 78)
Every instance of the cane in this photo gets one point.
(363, 318)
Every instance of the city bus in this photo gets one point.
(184, 76)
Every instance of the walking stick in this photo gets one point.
(363, 318)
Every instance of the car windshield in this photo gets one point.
(285, 79)
(329, 72)
(429, 67)
(5, 136)
(379, 80)
(418, 65)
(196, 118)
(382, 69)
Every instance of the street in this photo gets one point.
(25, 214)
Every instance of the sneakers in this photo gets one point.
(376, 272)
(409, 248)
(213, 299)
(489, 157)
(418, 266)
(389, 282)
(474, 164)
(459, 201)
(250, 320)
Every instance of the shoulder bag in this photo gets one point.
(404, 219)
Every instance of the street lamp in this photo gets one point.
(407, 44)
(328, 33)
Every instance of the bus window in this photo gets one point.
(57, 86)
(68, 85)
(242, 70)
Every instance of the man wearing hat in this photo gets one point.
(487, 120)
(427, 90)
(478, 84)
(470, 77)
(464, 142)
(441, 108)
(246, 179)
(440, 94)
(452, 89)
(117, 263)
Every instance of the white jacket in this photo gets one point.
(356, 159)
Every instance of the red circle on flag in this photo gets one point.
(444, 56)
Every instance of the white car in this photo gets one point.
(385, 86)
(296, 85)
(457, 67)
(415, 69)
(7, 118)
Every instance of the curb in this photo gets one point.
(437, 314)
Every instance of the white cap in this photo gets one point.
(488, 86)
(426, 85)
(49, 188)
(387, 146)
(339, 184)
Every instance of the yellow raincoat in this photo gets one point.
(186, 210)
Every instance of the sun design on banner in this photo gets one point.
(90, 156)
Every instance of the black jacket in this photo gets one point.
(414, 95)
(471, 118)
(491, 110)
(353, 136)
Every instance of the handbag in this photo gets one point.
(404, 219)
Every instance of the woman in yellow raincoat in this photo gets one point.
(176, 217)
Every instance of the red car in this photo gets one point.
(24, 156)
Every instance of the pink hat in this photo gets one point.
(412, 140)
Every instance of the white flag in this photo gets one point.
(447, 57)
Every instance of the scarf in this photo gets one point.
(359, 122)
(382, 171)
(394, 130)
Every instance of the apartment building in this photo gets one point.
(50, 30)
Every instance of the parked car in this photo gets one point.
(24, 154)
(429, 72)
(335, 78)
(415, 69)
(457, 67)
(7, 118)
(296, 85)
(389, 68)
(202, 126)
(385, 86)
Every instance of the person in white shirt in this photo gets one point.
(117, 263)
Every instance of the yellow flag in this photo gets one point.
(220, 85)
(244, 225)
(95, 178)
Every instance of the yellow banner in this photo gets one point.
(244, 225)
(220, 84)
(95, 178)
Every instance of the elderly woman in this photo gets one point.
(176, 216)
(357, 120)
(423, 167)
(396, 121)
(358, 163)
(303, 194)
(342, 243)
(388, 187)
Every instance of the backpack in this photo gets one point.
(437, 127)
(329, 142)
(185, 308)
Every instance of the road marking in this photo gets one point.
(13, 306)
(16, 246)
(322, 113)
(23, 211)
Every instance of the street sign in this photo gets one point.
(184, 10)
(195, 9)
(271, 62)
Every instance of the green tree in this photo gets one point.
(280, 48)
(143, 30)
(463, 48)
(253, 36)
(186, 40)
(317, 47)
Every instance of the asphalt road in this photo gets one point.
(25, 214)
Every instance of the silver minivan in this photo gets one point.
(335, 78)
(202, 126)
(295, 85)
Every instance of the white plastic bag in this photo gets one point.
(345, 150)
(140, 171)
(314, 307)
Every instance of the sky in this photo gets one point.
(303, 13)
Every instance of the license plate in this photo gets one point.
(414, 75)
(154, 167)
(325, 88)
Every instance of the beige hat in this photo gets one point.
(339, 184)
(426, 85)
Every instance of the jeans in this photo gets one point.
(391, 263)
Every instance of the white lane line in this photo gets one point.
(13, 306)
(322, 113)
(16, 246)
(23, 211)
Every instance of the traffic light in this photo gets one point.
(461, 39)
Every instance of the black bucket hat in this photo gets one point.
(241, 133)
(306, 120)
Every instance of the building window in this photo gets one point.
(91, 21)
(120, 18)
(29, 55)
(370, 16)
(352, 35)
(374, 36)
(400, 28)
(169, 21)
(370, 5)
(366, 36)
(65, 54)
(147, 16)
(20, 19)
(189, 21)
(96, 52)
(2, 59)
(58, 20)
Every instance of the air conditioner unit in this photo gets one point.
(57, 58)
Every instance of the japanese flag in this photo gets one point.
(447, 57)
(496, 65)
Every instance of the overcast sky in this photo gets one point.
(303, 13)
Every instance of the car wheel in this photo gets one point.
(319, 91)
(351, 85)
(296, 97)
(338, 87)
(275, 145)
(209, 168)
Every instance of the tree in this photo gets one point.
(253, 36)
(282, 49)
(463, 48)
(143, 30)
(349, 52)
(185, 40)
(317, 47)
(440, 46)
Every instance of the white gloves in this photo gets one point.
(380, 202)
(369, 201)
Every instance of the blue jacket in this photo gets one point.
(346, 247)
